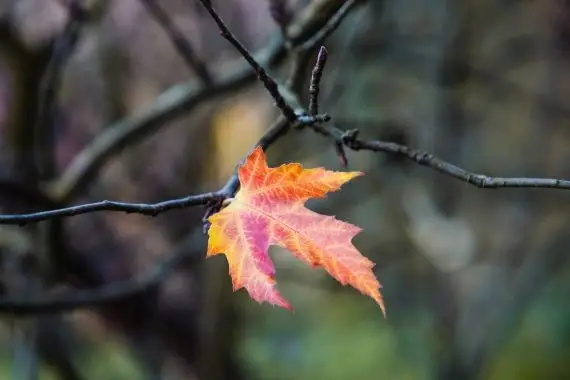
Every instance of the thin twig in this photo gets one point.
(181, 44)
(270, 84)
(265, 78)
(151, 209)
(314, 84)
(314, 89)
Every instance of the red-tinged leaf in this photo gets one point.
(269, 209)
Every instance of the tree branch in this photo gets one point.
(181, 44)
(267, 81)
(350, 140)
(151, 209)
(113, 292)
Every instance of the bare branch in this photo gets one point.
(350, 140)
(265, 78)
(181, 44)
(151, 209)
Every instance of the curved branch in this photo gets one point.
(151, 209)
(113, 292)
(423, 158)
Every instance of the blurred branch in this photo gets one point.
(48, 237)
(15, 188)
(113, 292)
(183, 98)
(281, 14)
(296, 79)
(26, 68)
(181, 44)
(47, 114)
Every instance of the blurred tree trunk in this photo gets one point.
(25, 70)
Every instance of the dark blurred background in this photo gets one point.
(476, 282)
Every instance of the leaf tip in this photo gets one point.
(279, 301)
(377, 297)
(382, 306)
(358, 174)
(257, 153)
(351, 175)
(288, 306)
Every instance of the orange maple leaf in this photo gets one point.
(269, 210)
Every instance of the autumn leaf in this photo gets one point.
(269, 209)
